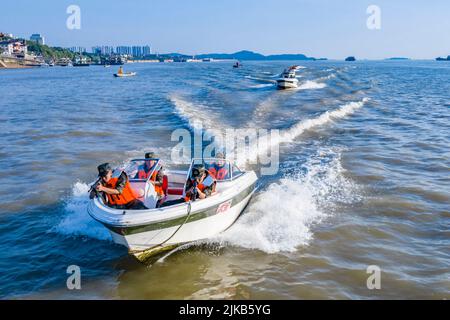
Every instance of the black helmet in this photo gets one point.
(197, 170)
(150, 155)
(103, 169)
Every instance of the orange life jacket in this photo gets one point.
(142, 174)
(200, 186)
(159, 189)
(125, 197)
(218, 174)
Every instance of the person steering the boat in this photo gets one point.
(116, 189)
(157, 178)
(201, 184)
(218, 169)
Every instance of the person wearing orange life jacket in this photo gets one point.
(157, 178)
(219, 169)
(116, 189)
(201, 184)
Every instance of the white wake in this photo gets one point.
(281, 217)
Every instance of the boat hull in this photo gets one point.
(182, 223)
(145, 244)
(287, 84)
(118, 75)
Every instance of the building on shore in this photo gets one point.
(36, 37)
(146, 50)
(77, 49)
(14, 54)
(13, 47)
(125, 50)
(131, 51)
(113, 60)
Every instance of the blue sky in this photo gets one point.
(319, 28)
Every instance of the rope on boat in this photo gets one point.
(185, 220)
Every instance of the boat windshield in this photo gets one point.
(141, 169)
(218, 168)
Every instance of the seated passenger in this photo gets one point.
(157, 178)
(219, 169)
(116, 190)
(200, 185)
(145, 169)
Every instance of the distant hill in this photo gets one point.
(49, 52)
(397, 58)
(250, 55)
(443, 59)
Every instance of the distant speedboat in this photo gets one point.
(287, 79)
(237, 65)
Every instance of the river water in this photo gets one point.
(363, 179)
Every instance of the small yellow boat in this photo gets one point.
(120, 73)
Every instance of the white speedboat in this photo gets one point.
(287, 79)
(150, 231)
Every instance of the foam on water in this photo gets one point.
(262, 79)
(263, 107)
(281, 217)
(261, 85)
(328, 77)
(194, 114)
(310, 84)
(290, 134)
(326, 117)
(77, 221)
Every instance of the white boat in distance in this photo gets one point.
(151, 231)
(125, 74)
(288, 79)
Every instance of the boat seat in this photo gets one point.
(175, 191)
(165, 185)
(175, 188)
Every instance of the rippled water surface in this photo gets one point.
(364, 179)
